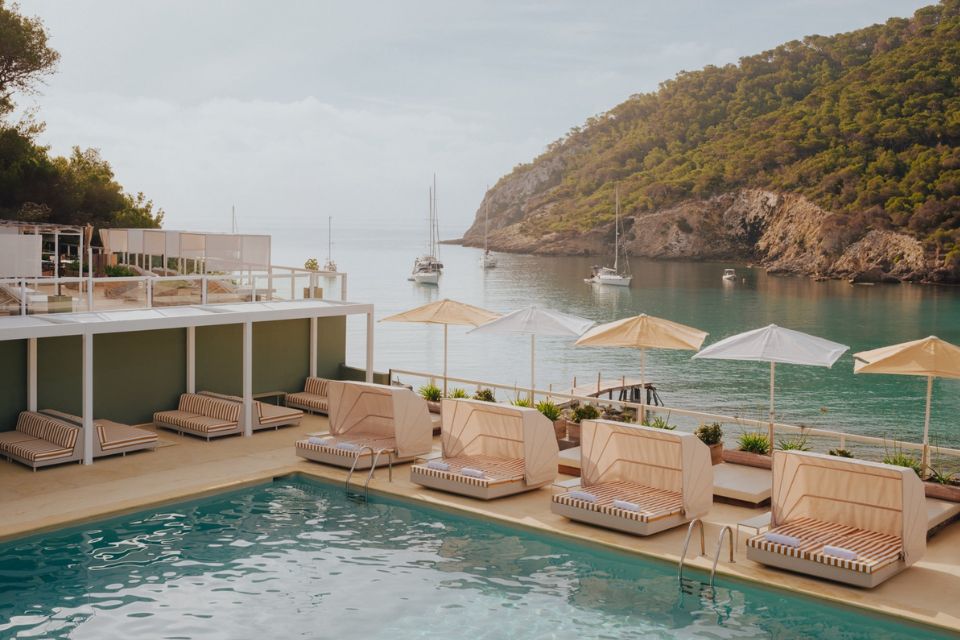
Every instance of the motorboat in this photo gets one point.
(729, 274)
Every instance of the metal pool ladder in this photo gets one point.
(696, 522)
(375, 458)
(716, 556)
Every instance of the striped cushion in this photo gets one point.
(359, 439)
(874, 550)
(36, 450)
(655, 504)
(210, 407)
(193, 421)
(316, 386)
(40, 426)
(495, 470)
(113, 435)
(311, 400)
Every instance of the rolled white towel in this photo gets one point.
(582, 495)
(320, 441)
(348, 446)
(626, 506)
(473, 473)
(440, 465)
(779, 538)
(840, 552)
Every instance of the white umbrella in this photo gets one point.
(775, 344)
(534, 321)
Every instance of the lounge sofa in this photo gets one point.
(202, 416)
(40, 441)
(111, 437)
(265, 415)
(313, 398)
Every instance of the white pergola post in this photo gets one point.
(191, 359)
(343, 287)
(369, 376)
(32, 374)
(248, 378)
(313, 347)
(87, 385)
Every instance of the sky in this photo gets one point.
(294, 110)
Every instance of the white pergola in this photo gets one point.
(88, 325)
(217, 251)
(21, 247)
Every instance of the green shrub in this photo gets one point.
(458, 393)
(431, 393)
(798, 443)
(841, 453)
(754, 442)
(485, 395)
(311, 265)
(118, 271)
(659, 422)
(900, 459)
(549, 409)
(521, 401)
(710, 433)
(585, 412)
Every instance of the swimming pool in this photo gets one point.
(297, 558)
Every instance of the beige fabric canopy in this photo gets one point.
(488, 429)
(380, 410)
(670, 460)
(866, 495)
(445, 312)
(930, 357)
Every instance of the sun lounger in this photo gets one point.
(313, 398)
(201, 416)
(40, 441)
(265, 415)
(850, 521)
(369, 418)
(490, 451)
(638, 479)
(111, 437)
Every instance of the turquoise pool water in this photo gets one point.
(297, 559)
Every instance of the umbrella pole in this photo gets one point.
(925, 456)
(533, 364)
(445, 360)
(770, 429)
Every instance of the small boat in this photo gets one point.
(330, 265)
(612, 275)
(729, 274)
(427, 269)
(487, 259)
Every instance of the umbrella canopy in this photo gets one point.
(445, 312)
(775, 344)
(535, 321)
(930, 357)
(643, 332)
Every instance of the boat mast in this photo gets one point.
(616, 231)
(329, 238)
(435, 234)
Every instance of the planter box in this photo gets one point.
(573, 431)
(749, 459)
(716, 453)
(560, 429)
(317, 290)
(948, 492)
(433, 407)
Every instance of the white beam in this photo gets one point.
(313, 347)
(369, 376)
(32, 374)
(191, 359)
(248, 378)
(87, 385)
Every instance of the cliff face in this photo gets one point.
(784, 233)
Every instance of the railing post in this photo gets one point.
(149, 293)
(343, 287)
(23, 298)
(203, 289)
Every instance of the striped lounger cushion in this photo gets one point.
(113, 435)
(360, 440)
(316, 386)
(193, 421)
(279, 416)
(874, 550)
(38, 426)
(37, 450)
(655, 504)
(304, 399)
(495, 470)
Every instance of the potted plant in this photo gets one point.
(458, 393)
(753, 450)
(659, 422)
(552, 412)
(484, 395)
(432, 394)
(840, 453)
(580, 413)
(712, 436)
(942, 485)
(522, 401)
(797, 443)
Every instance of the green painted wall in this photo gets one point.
(13, 386)
(59, 368)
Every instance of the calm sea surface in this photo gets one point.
(863, 317)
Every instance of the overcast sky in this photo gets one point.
(296, 110)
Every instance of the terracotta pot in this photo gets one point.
(749, 459)
(573, 430)
(716, 453)
(560, 428)
(433, 407)
(950, 492)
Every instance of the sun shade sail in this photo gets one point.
(392, 412)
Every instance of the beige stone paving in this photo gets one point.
(929, 592)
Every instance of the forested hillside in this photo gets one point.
(34, 185)
(864, 125)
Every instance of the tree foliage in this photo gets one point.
(866, 124)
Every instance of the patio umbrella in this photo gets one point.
(445, 312)
(535, 321)
(930, 357)
(775, 344)
(643, 332)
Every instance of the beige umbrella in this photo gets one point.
(643, 332)
(930, 357)
(445, 312)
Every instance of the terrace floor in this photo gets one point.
(185, 467)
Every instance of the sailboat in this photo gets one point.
(427, 268)
(330, 265)
(613, 276)
(487, 259)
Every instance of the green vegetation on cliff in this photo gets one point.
(865, 124)
(38, 187)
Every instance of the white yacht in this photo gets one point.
(729, 274)
(487, 259)
(330, 265)
(428, 268)
(613, 276)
